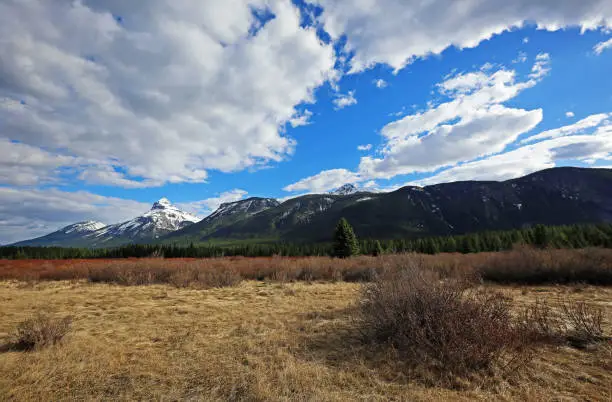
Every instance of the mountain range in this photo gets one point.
(552, 197)
(162, 219)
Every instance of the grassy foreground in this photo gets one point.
(255, 341)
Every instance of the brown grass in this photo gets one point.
(256, 341)
(521, 266)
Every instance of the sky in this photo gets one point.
(107, 106)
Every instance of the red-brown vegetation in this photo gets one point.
(521, 266)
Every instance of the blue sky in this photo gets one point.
(106, 107)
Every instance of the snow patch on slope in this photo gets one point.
(249, 207)
(83, 227)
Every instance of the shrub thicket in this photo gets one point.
(521, 266)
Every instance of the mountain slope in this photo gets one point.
(553, 196)
(226, 215)
(69, 235)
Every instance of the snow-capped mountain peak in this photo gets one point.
(162, 218)
(163, 209)
(346, 189)
(162, 203)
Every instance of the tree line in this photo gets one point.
(345, 244)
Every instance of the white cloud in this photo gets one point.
(601, 46)
(365, 147)
(588, 148)
(172, 91)
(395, 32)
(301, 119)
(28, 213)
(541, 67)
(324, 181)
(209, 205)
(344, 100)
(380, 83)
(472, 124)
(587, 123)
(107, 175)
(569, 115)
(526, 40)
(592, 146)
(24, 165)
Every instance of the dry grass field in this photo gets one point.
(259, 340)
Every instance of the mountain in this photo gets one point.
(71, 234)
(347, 189)
(226, 215)
(161, 219)
(553, 197)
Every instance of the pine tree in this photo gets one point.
(541, 236)
(378, 250)
(345, 241)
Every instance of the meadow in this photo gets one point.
(302, 328)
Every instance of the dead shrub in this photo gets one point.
(196, 274)
(40, 331)
(360, 275)
(440, 325)
(540, 324)
(218, 279)
(585, 323)
(576, 323)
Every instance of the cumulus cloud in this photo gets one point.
(324, 181)
(344, 100)
(601, 46)
(569, 115)
(473, 123)
(589, 148)
(395, 32)
(207, 206)
(380, 83)
(155, 92)
(365, 147)
(28, 213)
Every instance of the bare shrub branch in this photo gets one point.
(40, 331)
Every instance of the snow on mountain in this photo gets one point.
(248, 207)
(347, 189)
(82, 227)
(162, 218)
(74, 235)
